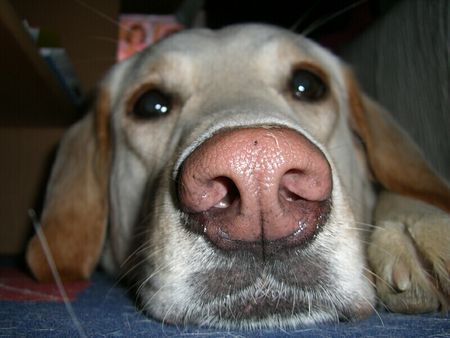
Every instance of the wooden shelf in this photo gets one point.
(29, 92)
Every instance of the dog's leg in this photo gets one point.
(410, 254)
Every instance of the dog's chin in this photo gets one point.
(256, 308)
(277, 294)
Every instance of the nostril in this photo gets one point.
(300, 184)
(285, 189)
(291, 188)
(199, 194)
(229, 190)
(288, 195)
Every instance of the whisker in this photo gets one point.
(56, 276)
(153, 274)
(141, 248)
(100, 14)
(326, 293)
(374, 310)
(374, 226)
(164, 318)
(304, 16)
(357, 225)
(132, 268)
(377, 246)
(145, 305)
(321, 22)
(369, 280)
(377, 277)
(360, 229)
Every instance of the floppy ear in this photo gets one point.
(396, 162)
(75, 210)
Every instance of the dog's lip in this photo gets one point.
(284, 307)
(264, 298)
(242, 273)
(262, 248)
(260, 307)
(268, 297)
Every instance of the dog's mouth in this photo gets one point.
(247, 288)
(257, 231)
(309, 225)
(255, 297)
(243, 292)
(258, 284)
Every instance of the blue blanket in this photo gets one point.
(104, 309)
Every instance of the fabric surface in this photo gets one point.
(105, 309)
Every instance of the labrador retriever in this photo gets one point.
(240, 178)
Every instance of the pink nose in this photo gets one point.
(256, 188)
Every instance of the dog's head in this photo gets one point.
(237, 168)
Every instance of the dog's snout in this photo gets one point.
(260, 188)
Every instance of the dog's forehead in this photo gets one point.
(238, 45)
(232, 37)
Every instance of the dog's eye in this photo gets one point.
(152, 104)
(307, 86)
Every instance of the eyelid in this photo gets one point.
(313, 68)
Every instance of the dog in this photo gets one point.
(240, 178)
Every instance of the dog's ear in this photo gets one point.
(75, 211)
(395, 160)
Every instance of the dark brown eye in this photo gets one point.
(152, 104)
(307, 86)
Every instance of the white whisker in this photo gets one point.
(321, 22)
(56, 276)
(131, 269)
(374, 309)
(99, 13)
(303, 17)
(153, 274)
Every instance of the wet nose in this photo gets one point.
(256, 188)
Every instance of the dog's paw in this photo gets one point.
(409, 254)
